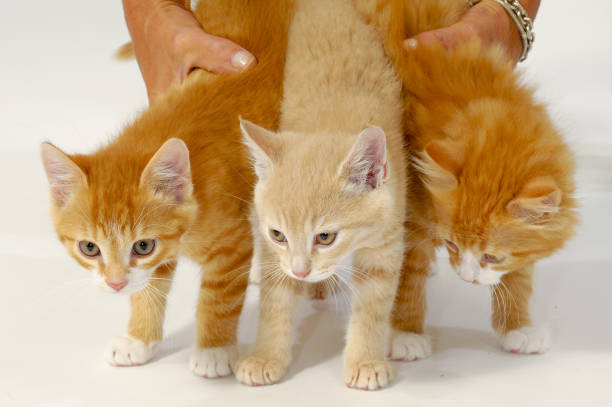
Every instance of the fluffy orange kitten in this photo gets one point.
(330, 198)
(177, 182)
(494, 180)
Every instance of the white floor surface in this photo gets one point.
(59, 83)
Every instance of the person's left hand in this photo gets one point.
(487, 20)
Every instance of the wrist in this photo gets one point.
(511, 35)
(509, 23)
(140, 14)
(522, 22)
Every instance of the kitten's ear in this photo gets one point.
(64, 176)
(441, 163)
(168, 171)
(537, 199)
(264, 146)
(366, 164)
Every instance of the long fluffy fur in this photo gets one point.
(471, 103)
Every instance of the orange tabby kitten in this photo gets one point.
(494, 182)
(177, 182)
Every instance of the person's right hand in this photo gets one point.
(169, 43)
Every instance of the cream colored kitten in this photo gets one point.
(331, 191)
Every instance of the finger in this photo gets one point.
(448, 37)
(218, 55)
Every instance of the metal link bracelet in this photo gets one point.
(524, 24)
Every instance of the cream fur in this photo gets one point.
(338, 82)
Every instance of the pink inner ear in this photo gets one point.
(368, 159)
(63, 174)
(169, 180)
(372, 177)
(168, 172)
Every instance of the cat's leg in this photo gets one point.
(408, 341)
(145, 328)
(225, 276)
(271, 355)
(375, 283)
(510, 317)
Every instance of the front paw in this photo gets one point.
(371, 375)
(213, 363)
(125, 351)
(254, 371)
(529, 339)
(409, 346)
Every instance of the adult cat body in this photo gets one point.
(493, 179)
(331, 191)
(175, 182)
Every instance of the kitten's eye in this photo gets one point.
(143, 247)
(325, 239)
(451, 246)
(278, 236)
(89, 249)
(489, 258)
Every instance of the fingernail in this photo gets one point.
(242, 59)
(411, 44)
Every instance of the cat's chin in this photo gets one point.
(485, 277)
(126, 291)
(131, 287)
(311, 280)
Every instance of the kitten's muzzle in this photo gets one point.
(301, 272)
(116, 284)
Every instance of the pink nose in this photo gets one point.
(117, 286)
(301, 273)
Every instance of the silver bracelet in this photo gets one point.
(524, 24)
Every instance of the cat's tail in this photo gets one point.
(125, 52)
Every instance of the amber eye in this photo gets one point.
(451, 246)
(278, 236)
(143, 247)
(325, 239)
(489, 258)
(89, 249)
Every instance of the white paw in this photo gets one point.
(529, 339)
(212, 363)
(255, 371)
(409, 346)
(125, 351)
(372, 375)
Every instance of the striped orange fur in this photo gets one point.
(196, 206)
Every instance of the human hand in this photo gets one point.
(169, 43)
(488, 21)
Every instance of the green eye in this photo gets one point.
(143, 247)
(326, 239)
(89, 249)
(277, 236)
(451, 246)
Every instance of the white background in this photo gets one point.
(59, 83)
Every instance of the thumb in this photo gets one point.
(218, 54)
